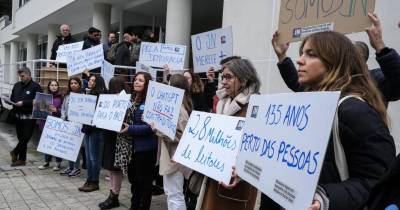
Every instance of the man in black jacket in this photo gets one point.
(23, 94)
(64, 38)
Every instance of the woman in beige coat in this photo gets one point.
(172, 172)
(239, 81)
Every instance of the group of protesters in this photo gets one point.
(328, 61)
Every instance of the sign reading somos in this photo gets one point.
(61, 138)
(298, 19)
(110, 111)
(89, 58)
(283, 144)
(163, 104)
(81, 108)
(159, 54)
(208, 147)
(210, 47)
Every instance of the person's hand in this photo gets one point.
(152, 125)
(316, 205)
(125, 128)
(19, 103)
(167, 70)
(211, 74)
(52, 108)
(279, 48)
(33, 102)
(87, 72)
(235, 181)
(375, 33)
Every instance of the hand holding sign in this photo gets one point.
(375, 33)
(316, 205)
(279, 47)
(125, 128)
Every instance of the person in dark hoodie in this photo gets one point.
(64, 38)
(92, 39)
(22, 96)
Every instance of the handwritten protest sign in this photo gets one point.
(66, 50)
(140, 67)
(210, 47)
(41, 108)
(299, 19)
(110, 111)
(208, 147)
(86, 59)
(61, 138)
(163, 103)
(284, 142)
(159, 54)
(107, 72)
(81, 108)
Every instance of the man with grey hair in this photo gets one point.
(22, 96)
(64, 38)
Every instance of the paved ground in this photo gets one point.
(29, 188)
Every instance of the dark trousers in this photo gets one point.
(268, 204)
(47, 159)
(140, 174)
(24, 133)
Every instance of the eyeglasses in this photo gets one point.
(227, 77)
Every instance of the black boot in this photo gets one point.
(110, 202)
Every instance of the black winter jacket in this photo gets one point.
(387, 78)
(25, 93)
(59, 41)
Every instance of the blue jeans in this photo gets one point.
(94, 146)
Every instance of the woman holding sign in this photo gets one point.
(55, 108)
(330, 62)
(143, 160)
(172, 172)
(93, 141)
(74, 86)
(239, 81)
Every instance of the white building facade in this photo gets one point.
(34, 26)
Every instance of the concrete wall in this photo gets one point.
(254, 23)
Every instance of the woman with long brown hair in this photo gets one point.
(330, 62)
(172, 172)
(144, 154)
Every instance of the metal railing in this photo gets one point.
(44, 70)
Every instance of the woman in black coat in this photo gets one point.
(330, 62)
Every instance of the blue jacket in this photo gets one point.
(144, 138)
(387, 77)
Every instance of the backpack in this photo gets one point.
(112, 52)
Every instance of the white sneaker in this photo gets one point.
(57, 167)
(44, 166)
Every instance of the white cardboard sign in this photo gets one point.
(81, 108)
(284, 142)
(110, 111)
(107, 72)
(163, 103)
(210, 47)
(61, 138)
(89, 58)
(159, 54)
(210, 144)
(66, 50)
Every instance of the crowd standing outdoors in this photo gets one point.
(328, 61)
